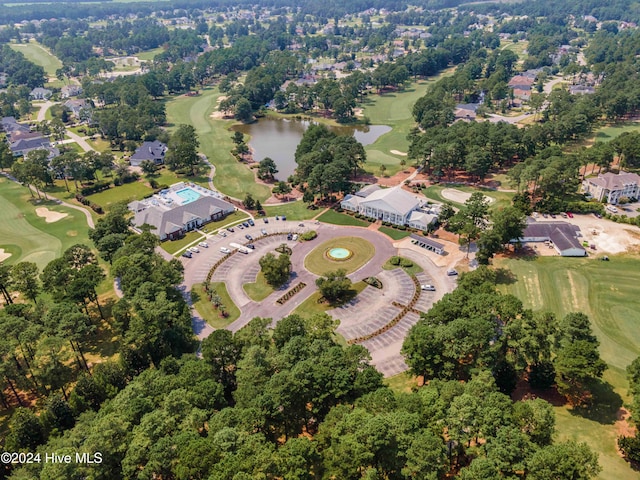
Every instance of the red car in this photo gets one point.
(569, 214)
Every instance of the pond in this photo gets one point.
(278, 138)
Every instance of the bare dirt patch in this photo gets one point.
(459, 196)
(49, 215)
(3, 255)
(607, 236)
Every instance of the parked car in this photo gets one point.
(187, 254)
(203, 245)
(553, 215)
(225, 250)
(263, 231)
(452, 272)
(283, 218)
(301, 224)
(265, 220)
(545, 215)
(231, 229)
(569, 214)
(240, 226)
(194, 249)
(251, 222)
(248, 237)
(429, 288)
(294, 237)
(222, 233)
(251, 246)
(598, 215)
(277, 217)
(245, 224)
(289, 236)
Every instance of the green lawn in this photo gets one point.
(608, 133)
(206, 309)
(258, 290)
(393, 233)
(318, 262)
(393, 109)
(175, 246)
(292, 210)
(401, 383)
(608, 293)
(28, 237)
(331, 216)
(501, 199)
(312, 305)
(232, 178)
(410, 270)
(148, 55)
(124, 193)
(39, 55)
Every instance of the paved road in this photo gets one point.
(43, 110)
(80, 141)
(366, 314)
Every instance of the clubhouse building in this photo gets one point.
(179, 209)
(393, 205)
(562, 236)
(611, 187)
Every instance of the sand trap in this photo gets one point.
(397, 152)
(3, 255)
(459, 196)
(49, 215)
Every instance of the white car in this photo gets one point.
(225, 250)
(222, 233)
(294, 238)
(429, 288)
(194, 249)
(203, 244)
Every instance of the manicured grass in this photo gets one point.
(206, 309)
(393, 233)
(410, 270)
(164, 176)
(175, 246)
(608, 133)
(100, 145)
(401, 383)
(39, 55)
(232, 178)
(148, 55)
(318, 262)
(393, 109)
(608, 293)
(127, 192)
(502, 199)
(258, 290)
(335, 218)
(292, 210)
(28, 237)
(312, 305)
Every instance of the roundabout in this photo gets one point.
(347, 253)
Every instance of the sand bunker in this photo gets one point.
(49, 215)
(397, 152)
(459, 196)
(3, 255)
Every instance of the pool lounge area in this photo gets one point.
(187, 195)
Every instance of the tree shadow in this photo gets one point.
(504, 276)
(603, 406)
(195, 296)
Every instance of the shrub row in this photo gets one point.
(395, 320)
(310, 235)
(373, 281)
(623, 219)
(291, 293)
(585, 207)
(401, 261)
(95, 188)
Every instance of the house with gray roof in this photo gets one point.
(40, 93)
(152, 151)
(76, 106)
(71, 90)
(179, 209)
(562, 236)
(10, 125)
(23, 146)
(611, 187)
(393, 205)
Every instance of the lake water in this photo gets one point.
(278, 138)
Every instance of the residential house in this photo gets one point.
(562, 236)
(10, 125)
(522, 82)
(72, 90)
(76, 106)
(4, 79)
(611, 187)
(466, 111)
(179, 209)
(153, 151)
(40, 93)
(23, 146)
(581, 90)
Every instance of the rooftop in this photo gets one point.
(612, 181)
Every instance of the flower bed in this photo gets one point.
(291, 293)
(373, 281)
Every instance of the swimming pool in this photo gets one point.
(187, 195)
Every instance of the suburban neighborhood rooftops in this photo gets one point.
(149, 151)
